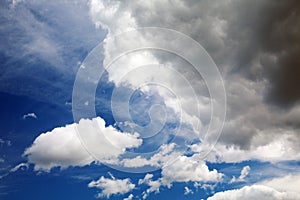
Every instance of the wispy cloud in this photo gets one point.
(30, 115)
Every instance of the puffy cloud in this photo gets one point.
(286, 183)
(129, 197)
(62, 147)
(285, 187)
(165, 155)
(264, 147)
(254, 192)
(187, 191)
(182, 169)
(185, 169)
(112, 186)
(146, 179)
(245, 171)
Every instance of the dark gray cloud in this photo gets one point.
(255, 45)
(257, 39)
(270, 37)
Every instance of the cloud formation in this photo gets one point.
(254, 192)
(256, 70)
(245, 171)
(112, 186)
(32, 115)
(62, 146)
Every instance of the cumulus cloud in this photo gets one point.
(245, 171)
(288, 183)
(285, 187)
(264, 147)
(112, 186)
(146, 179)
(187, 191)
(62, 146)
(183, 169)
(129, 197)
(189, 169)
(166, 154)
(254, 192)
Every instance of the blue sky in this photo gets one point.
(205, 104)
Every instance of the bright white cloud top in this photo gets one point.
(62, 146)
(112, 186)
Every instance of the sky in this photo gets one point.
(161, 99)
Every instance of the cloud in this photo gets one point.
(240, 37)
(189, 169)
(256, 71)
(182, 169)
(145, 179)
(30, 115)
(129, 197)
(288, 183)
(187, 191)
(254, 192)
(114, 17)
(62, 147)
(112, 186)
(48, 39)
(20, 166)
(5, 142)
(264, 147)
(285, 187)
(245, 171)
(165, 155)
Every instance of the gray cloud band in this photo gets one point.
(92, 69)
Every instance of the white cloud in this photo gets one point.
(134, 70)
(112, 186)
(108, 16)
(265, 148)
(30, 115)
(166, 154)
(278, 188)
(129, 197)
(254, 192)
(145, 179)
(185, 169)
(187, 191)
(62, 147)
(245, 171)
(288, 183)
(20, 166)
